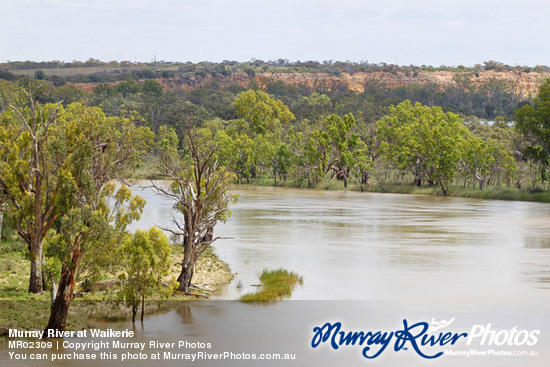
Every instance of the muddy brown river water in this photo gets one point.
(369, 261)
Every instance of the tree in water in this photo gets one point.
(200, 191)
(337, 149)
(424, 141)
(146, 260)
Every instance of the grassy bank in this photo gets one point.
(21, 309)
(276, 284)
(491, 193)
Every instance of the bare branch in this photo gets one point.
(169, 230)
(27, 126)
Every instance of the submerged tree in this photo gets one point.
(424, 141)
(146, 260)
(339, 150)
(200, 190)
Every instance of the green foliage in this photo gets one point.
(422, 140)
(534, 123)
(145, 260)
(105, 229)
(32, 180)
(199, 189)
(99, 149)
(276, 284)
(261, 111)
(337, 149)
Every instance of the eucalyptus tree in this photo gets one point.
(338, 149)
(145, 256)
(534, 123)
(200, 191)
(261, 111)
(424, 141)
(30, 179)
(96, 150)
(266, 121)
(476, 158)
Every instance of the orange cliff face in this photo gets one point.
(524, 84)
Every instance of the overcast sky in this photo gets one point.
(429, 32)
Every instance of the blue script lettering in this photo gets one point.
(416, 336)
(405, 334)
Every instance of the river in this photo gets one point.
(355, 246)
(370, 261)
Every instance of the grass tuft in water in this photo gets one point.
(276, 285)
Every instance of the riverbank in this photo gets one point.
(20, 309)
(533, 195)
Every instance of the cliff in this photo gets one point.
(522, 84)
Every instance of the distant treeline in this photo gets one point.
(289, 131)
(487, 99)
(298, 66)
(94, 71)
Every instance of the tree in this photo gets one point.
(183, 116)
(476, 158)
(261, 111)
(534, 123)
(3, 207)
(424, 141)
(99, 149)
(85, 229)
(315, 107)
(200, 190)
(370, 151)
(146, 260)
(281, 162)
(235, 151)
(29, 177)
(337, 148)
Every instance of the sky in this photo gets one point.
(417, 32)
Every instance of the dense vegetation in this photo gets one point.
(489, 98)
(299, 136)
(58, 175)
(94, 70)
(62, 148)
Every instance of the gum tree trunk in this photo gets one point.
(1, 220)
(35, 280)
(187, 266)
(142, 306)
(60, 307)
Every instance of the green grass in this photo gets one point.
(324, 184)
(276, 284)
(88, 70)
(21, 309)
(490, 193)
(83, 313)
